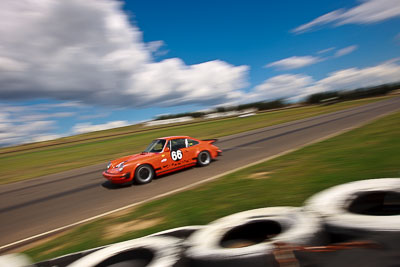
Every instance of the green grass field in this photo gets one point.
(368, 152)
(41, 160)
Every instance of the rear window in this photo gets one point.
(192, 142)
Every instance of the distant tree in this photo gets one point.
(312, 99)
(263, 105)
(220, 109)
(197, 114)
(320, 97)
(353, 94)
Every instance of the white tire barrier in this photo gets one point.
(146, 251)
(64, 260)
(14, 260)
(366, 206)
(247, 238)
(363, 210)
(367, 210)
(181, 232)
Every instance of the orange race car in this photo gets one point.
(163, 155)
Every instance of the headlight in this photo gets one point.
(120, 166)
(108, 165)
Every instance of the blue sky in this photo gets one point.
(68, 67)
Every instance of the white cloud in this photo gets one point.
(326, 50)
(353, 78)
(88, 127)
(15, 129)
(12, 133)
(155, 45)
(44, 116)
(46, 137)
(346, 50)
(87, 51)
(31, 123)
(281, 86)
(11, 65)
(93, 116)
(68, 104)
(155, 48)
(294, 62)
(371, 11)
(295, 87)
(324, 19)
(367, 12)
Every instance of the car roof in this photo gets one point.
(175, 137)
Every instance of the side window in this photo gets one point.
(159, 147)
(192, 142)
(177, 144)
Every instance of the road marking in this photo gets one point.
(38, 236)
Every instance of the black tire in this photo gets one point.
(144, 174)
(203, 159)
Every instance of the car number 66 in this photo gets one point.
(176, 155)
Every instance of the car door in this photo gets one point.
(178, 152)
(171, 158)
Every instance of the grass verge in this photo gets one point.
(368, 152)
(44, 160)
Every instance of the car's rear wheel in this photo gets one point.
(144, 174)
(203, 159)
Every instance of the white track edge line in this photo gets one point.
(199, 182)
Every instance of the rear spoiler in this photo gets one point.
(210, 140)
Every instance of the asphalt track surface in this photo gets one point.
(39, 205)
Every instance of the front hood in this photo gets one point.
(131, 158)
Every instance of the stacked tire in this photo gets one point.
(141, 252)
(248, 238)
(367, 210)
(64, 260)
(156, 250)
(180, 232)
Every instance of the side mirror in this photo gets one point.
(166, 149)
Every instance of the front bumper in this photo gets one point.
(117, 178)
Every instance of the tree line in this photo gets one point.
(262, 105)
(352, 94)
(317, 98)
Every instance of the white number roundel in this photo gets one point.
(176, 155)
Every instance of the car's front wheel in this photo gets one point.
(203, 159)
(144, 174)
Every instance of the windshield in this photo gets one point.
(155, 146)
